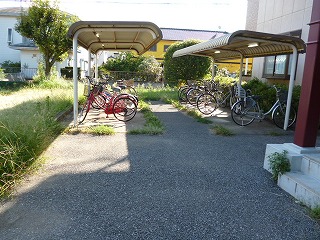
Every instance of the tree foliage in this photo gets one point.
(185, 67)
(47, 26)
(128, 62)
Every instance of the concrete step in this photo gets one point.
(310, 165)
(303, 187)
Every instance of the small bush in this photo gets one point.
(185, 67)
(268, 93)
(279, 164)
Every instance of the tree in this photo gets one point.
(47, 26)
(128, 62)
(185, 67)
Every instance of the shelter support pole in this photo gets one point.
(246, 67)
(96, 66)
(75, 80)
(213, 71)
(240, 74)
(89, 62)
(291, 85)
(309, 111)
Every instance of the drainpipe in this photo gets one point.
(309, 112)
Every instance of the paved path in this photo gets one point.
(185, 184)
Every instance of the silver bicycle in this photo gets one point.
(247, 109)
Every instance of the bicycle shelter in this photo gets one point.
(97, 36)
(248, 44)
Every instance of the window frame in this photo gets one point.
(286, 74)
(154, 48)
(10, 36)
(165, 47)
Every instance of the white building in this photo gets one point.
(288, 17)
(15, 48)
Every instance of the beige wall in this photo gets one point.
(281, 16)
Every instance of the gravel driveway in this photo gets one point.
(185, 184)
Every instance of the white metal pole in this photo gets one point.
(291, 85)
(213, 73)
(240, 75)
(75, 80)
(96, 66)
(246, 67)
(89, 62)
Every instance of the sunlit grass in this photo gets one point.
(27, 127)
(153, 125)
(94, 130)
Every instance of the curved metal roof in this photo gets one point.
(116, 35)
(231, 46)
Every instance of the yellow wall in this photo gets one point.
(159, 54)
(233, 66)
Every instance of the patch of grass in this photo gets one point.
(221, 130)
(27, 128)
(164, 94)
(191, 112)
(153, 125)
(275, 134)
(315, 213)
(99, 130)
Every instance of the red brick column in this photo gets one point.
(309, 106)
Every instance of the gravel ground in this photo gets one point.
(185, 184)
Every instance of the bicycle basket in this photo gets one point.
(86, 90)
(283, 95)
(249, 102)
(240, 93)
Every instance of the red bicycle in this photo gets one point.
(122, 106)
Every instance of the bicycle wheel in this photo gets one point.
(206, 103)
(232, 100)
(99, 102)
(84, 111)
(279, 114)
(192, 95)
(243, 112)
(124, 108)
(182, 93)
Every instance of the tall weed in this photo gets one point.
(26, 130)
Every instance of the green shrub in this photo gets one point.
(279, 164)
(185, 67)
(268, 94)
(11, 67)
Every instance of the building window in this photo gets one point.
(10, 35)
(279, 66)
(153, 48)
(165, 47)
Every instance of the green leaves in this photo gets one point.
(47, 26)
(185, 67)
(279, 164)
